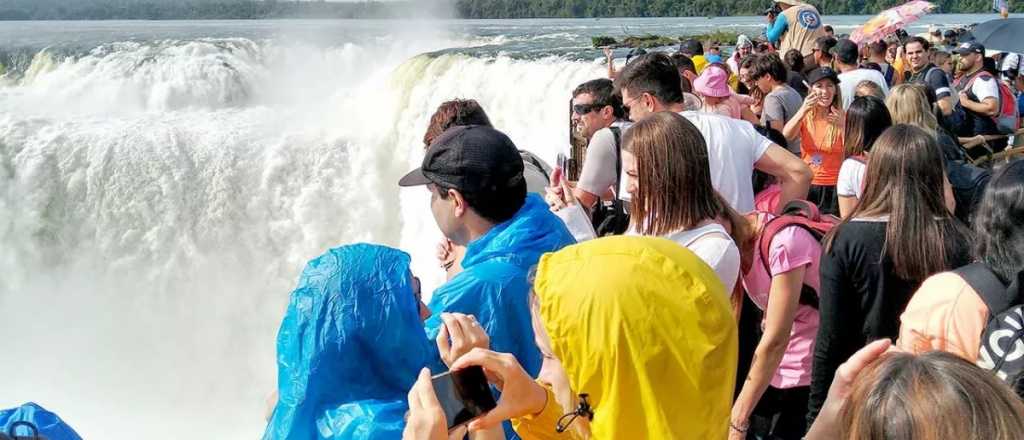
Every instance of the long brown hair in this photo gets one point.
(905, 180)
(934, 396)
(674, 179)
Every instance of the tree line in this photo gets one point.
(264, 9)
(686, 8)
(212, 9)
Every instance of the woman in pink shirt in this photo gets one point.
(777, 386)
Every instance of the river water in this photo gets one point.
(163, 183)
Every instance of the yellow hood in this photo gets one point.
(644, 327)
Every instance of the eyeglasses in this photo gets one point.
(626, 106)
(583, 409)
(582, 109)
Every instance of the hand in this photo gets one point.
(811, 100)
(836, 116)
(426, 418)
(559, 195)
(446, 254)
(826, 426)
(520, 395)
(465, 334)
(964, 97)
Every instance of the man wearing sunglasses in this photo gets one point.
(597, 112)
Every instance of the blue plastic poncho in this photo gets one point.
(350, 347)
(493, 285)
(49, 424)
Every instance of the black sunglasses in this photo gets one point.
(582, 109)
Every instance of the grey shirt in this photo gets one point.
(598, 173)
(781, 105)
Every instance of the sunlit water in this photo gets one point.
(162, 184)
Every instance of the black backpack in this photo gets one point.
(10, 435)
(1002, 342)
(612, 218)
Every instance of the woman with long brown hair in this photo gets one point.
(819, 126)
(665, 159)
(900, 233)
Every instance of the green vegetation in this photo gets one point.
(649, 41)
(686, 8)
(257, 9)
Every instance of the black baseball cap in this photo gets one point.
(846, 52)
(822, 73)
(474, 159)
(691, 47)
(969, 48)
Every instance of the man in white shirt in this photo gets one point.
(847, 57)
(651, 84)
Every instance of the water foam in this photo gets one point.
(158, 200)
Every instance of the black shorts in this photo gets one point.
(826, 199)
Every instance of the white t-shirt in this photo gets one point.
(985, 87)
(713, 245)
(851, 178)
(848, 83)
(598, 171)
(733, 149)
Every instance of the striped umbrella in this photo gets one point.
(891, 20)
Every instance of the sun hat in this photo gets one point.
(713, 82)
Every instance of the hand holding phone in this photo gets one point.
(463, 394)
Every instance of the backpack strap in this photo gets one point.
(808, 296)
(988, 286)
(617, 132)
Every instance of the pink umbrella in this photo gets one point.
(890, 20)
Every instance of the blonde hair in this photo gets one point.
(908, 104)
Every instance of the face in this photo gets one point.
(764, 83)
(917, 55)
(745, 78)
(637, 106)
(632, 178)
(417, 290)
(593, 117)
(947, 65)
(448, 212)
(826, 92)
(715, 51)
(969, 62)
(744, 51)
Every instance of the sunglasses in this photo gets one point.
(582, 109)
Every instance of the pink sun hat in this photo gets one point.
(713, 82)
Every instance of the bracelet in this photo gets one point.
(738, 429)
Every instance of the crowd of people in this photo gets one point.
(774, 244)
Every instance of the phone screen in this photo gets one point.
(464, 395)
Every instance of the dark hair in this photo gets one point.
(654, 73)
(685, 85)
(454, 113)
(795, 60)
(770, 65)
(866, 120)
(998, 225)
(603, 92)
(988, 64)
(919, 40)
(829, 29)
(873, 66)
(497, 206)
(825, 45)
(684, 62)
(905, 180)
(878, 48)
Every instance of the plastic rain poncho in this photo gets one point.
(644, 327)
(349, 349)
(49, 424)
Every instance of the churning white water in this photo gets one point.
(158, 200)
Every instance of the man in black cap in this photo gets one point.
(847, 57)
(479, 200)
(979, 96)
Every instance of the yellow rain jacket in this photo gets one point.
(644, 327)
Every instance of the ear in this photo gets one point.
(460, 202)
(607, 112)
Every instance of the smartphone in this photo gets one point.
(464, 395)
(563, 161)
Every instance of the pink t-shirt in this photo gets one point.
(731, 106)
(791, 248)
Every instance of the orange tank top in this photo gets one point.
(821, 148)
